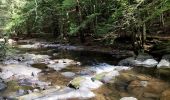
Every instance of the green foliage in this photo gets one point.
(67, 4)
(70, 17)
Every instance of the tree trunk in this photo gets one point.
(78, 10)
(55, 25)
(144, 35)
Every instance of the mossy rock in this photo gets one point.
(75, 83)
(14, 86)
(99, 76)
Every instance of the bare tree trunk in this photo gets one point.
(81, 34)
(144, 35)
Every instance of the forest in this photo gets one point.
(84, 49)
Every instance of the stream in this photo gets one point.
(32, 72)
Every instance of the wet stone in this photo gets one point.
(68, 74)
(21, 92)
(2, 86)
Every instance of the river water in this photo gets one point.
(141, 83)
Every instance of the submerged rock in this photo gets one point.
(165, 95)
(34, 83)
(147, 89)
(68, 74)
(140, 60)
(165, 62)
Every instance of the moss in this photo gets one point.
(99, 76)
(40, 66)
(75, 83)
(14, 86)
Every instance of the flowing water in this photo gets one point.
(128, 84)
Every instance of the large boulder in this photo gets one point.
(165, 62)
(144, 60)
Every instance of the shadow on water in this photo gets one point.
(87, 57)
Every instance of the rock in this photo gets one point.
(11, 42)
(151, 95)
(147, 63)
(127, 62)
(128, 77)
(76, 82)
(2, 40)
(31, 46)
(103, 67)
(29, 91)
(106, 77)
(21, 92)
(84, 82)
(165, 62)
(97, 69)
(68, 74)
(1, 81)
(7, 62)
(128, 98)
(34, 82)
(61, 64)
(1, 98)
(99, 76)
(165, 95)
(36, 90)
(100, 73)
(2, 86)
(26, 59)
(18, 71)
(34, 95)
(36, 58)
(55, 54)
(150, 89)
(59, 94)
(141, 60)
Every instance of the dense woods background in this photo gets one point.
(100, 20)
